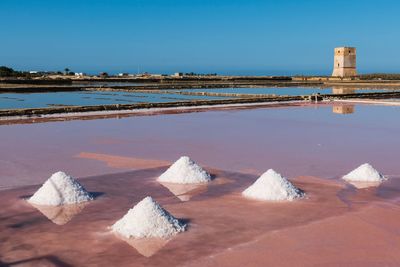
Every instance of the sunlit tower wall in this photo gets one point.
(345, 62)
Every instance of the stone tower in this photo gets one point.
(345, 62)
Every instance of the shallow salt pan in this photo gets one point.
(271, 186)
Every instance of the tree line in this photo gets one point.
(10, 72)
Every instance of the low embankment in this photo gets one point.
(117, 107)
(236, 100)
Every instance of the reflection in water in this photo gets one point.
(343, 109)
(145, 246)
(60, 215)
(185, 191)
(341, 90)
(362, 185)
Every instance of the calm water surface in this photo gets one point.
(92, 98)
(321, 140)
(88, 98)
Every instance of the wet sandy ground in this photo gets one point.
(336, 225)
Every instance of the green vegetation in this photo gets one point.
(380, 76)
(11, 73)
(7, 72)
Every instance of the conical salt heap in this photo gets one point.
(364, 173)
(60, 189)
(271, 186)
(185, 171)
(148, 219)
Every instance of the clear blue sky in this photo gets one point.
(223, 36)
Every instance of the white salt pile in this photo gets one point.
(364, 173)
(60, 189)
(185, 171)
(148, 219)
(271, 186)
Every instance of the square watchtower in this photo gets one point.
(345, 62)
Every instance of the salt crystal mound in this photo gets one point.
(148, 219)
(60, 189)
(271, 186)
(185, 171)
(364, 173)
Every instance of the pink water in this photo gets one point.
(313, 146)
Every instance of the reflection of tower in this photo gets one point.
(341, 90)
(343, 109)
(344, 62)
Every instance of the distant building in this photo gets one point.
(79, 74)
(178, 74)
(33, 72)
(345, 62)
